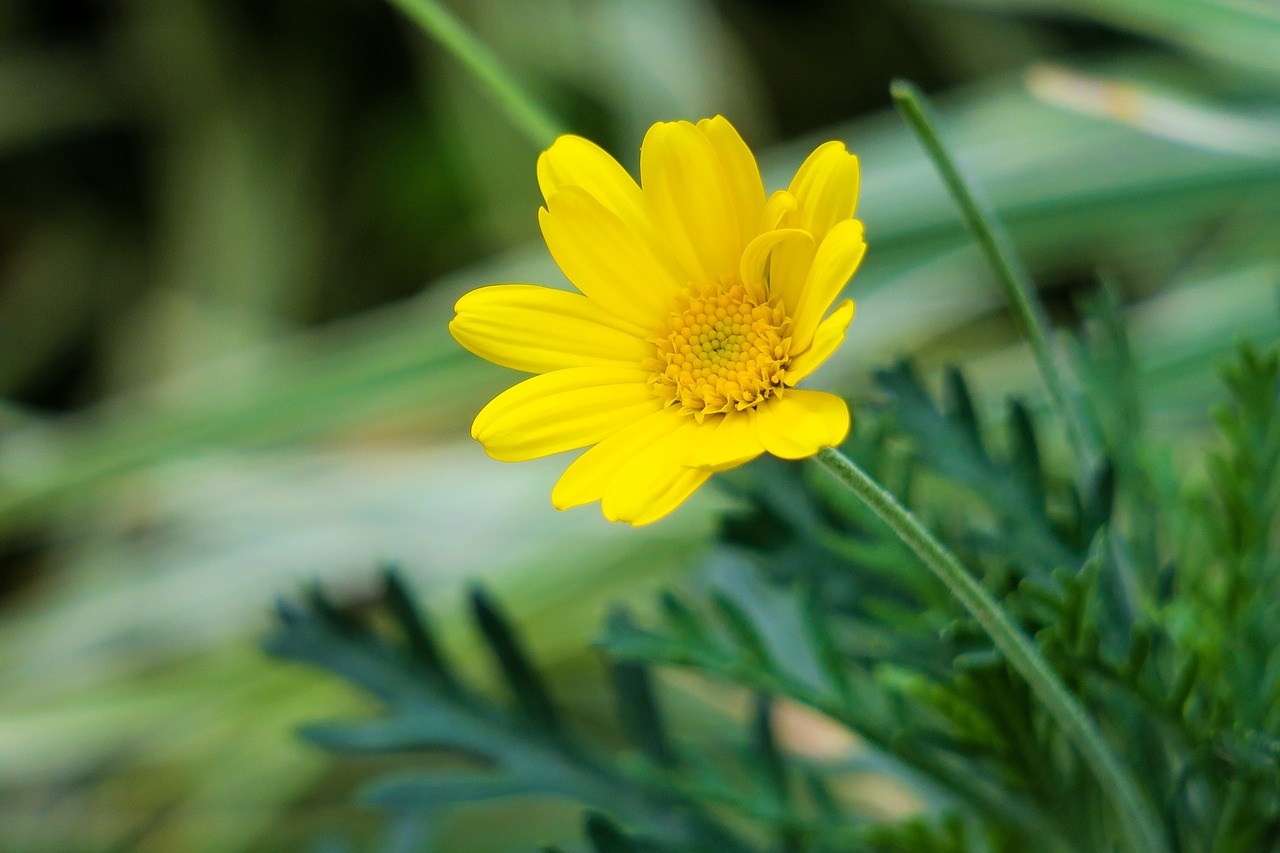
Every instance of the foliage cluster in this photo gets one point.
(1154, 591)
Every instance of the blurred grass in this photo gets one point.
(222, 380)
(1240, 34)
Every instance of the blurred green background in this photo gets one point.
(231, 232)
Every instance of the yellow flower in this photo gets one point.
(701, 306)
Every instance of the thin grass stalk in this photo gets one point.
(521, 107)
(980, 217)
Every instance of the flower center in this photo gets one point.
(725, 350)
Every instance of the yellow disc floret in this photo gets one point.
(725, 350)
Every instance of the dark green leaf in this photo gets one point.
(431, 790)
(766, 749)
(606, 836)
(414, 625)
(742, 631)
(637, 708)
(531, 693)
(961, 409)
(1024, 451)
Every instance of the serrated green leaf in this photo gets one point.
(947, 447)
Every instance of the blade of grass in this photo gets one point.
(521, 107)
(998, 249)
(1238, 35)
(1136, 815)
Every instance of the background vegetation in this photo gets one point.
(230, 237)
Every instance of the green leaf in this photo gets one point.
(426, 715)
(413, 623)
(766, 750)
(742, 631)
(637, 708)
(531, 693)
(960, 407)
(831, 660)
(606, 836)
(1024, 451)
(430, 790)
(948, 448)
(435, 726)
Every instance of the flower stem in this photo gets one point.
(1139, 821)
(998, 247)
(521, 107)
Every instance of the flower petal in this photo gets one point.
(800, 423)
(610, 263)
(826, 189)
(654, 482)
(585, 479)
(779, 205)
(755, 258)
(834, 264)
(829, 335)
(790, 260)
(690, 201)
(670, 487)
(562, 410)
(538, 330)
(576, 162)
(741, 174)
(727, 444)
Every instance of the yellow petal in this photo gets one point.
(563, 410)
(800, 423)
(779, 205)
(538, 330)
(615, 267)
(826, 189)
(670, 488)
(790, 259)
(576, 162)
(741, 174)
(654, 482)
(829, 335)
(585, 479)
(727, 443)
(690, 201)
(677, 490)
(754, 266)
(834, 264)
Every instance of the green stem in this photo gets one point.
(998, 247)
(1140, 824)
(519, 105)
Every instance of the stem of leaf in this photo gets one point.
(1139, 821)
(980, 217)
(521, 107)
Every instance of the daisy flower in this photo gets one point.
(700, 306)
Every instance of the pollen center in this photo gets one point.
(724, 351)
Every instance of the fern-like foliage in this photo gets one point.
(1153, 590)
(523, 749)
(1170, 633)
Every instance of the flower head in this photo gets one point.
(700, 307)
